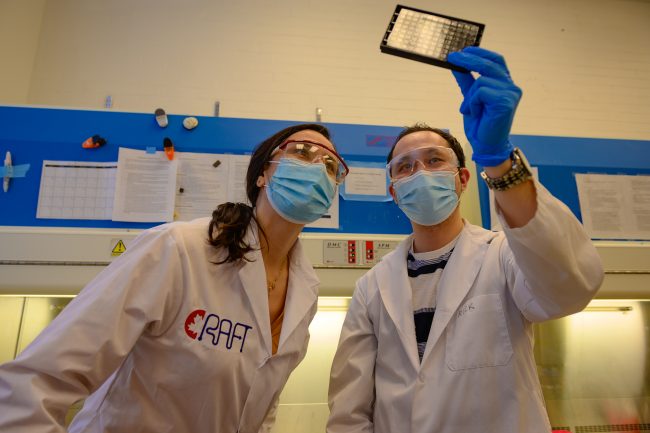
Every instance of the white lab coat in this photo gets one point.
(478, 373)
(131, 340)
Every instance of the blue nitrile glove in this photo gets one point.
(489, 105)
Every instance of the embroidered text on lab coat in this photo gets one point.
(216, 329)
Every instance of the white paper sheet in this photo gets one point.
(366, 181)
(615, 206)
(145, 186)
(76, 190)
(200, 186)
(237, 178)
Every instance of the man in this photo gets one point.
(438, 337)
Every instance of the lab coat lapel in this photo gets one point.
(457, 279)
(253, 278)
(397, 295)
(302, 292)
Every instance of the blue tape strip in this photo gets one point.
(366, 197)
(14, 170)
(150, 150)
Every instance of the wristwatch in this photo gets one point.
(518, 173)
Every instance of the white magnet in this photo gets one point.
(190, 122)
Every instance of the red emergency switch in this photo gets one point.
(352, 252)
(370, 250)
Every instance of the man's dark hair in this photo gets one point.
(453, 142)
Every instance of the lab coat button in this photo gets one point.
(421, 377)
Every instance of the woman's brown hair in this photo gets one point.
(230, 221)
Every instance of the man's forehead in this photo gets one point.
(419, 139)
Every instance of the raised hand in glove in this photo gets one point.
(489, 103)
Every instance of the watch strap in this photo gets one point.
(519, 172)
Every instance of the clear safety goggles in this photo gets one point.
(313, 152)
(430, 158)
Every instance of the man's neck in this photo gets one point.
(431, 238)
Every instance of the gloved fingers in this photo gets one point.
(508, 88)
(493, 101)
(464, 80)
(491, 83)
(474, 104)
(494, 83)
(482, 65)
(487, 54)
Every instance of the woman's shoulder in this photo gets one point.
(179, 232)
(183, 228)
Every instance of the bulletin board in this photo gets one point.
(33, 135)
(559, 159)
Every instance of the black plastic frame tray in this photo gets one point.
(385, 48)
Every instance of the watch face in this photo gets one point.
(522, 160)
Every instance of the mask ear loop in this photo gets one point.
(462, 190)
(266, 181)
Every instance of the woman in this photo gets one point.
(181, 334)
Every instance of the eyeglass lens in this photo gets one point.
(432, 158)
(311, 153)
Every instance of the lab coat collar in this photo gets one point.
(456, 281)
(396, 293)
(302, 292)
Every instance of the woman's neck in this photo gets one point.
(277, 235)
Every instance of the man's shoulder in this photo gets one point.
(395, 258)
(480, 233)
(388, 266)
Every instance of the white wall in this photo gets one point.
(584, 65)
(20, 25)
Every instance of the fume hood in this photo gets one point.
(594, 366)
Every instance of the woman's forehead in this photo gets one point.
(308, 134)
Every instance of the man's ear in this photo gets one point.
(464, 175)
(392, 192)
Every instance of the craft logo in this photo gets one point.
(194, 322)
(216, 329)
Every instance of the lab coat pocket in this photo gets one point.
(478, 335)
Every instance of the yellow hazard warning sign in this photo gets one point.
(119, 248)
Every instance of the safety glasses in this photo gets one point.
(430, 158)
(313, 152)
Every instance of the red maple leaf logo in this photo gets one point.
(194, 323)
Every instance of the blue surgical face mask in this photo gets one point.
(427, 197)
(300, 192)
